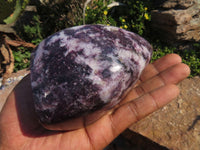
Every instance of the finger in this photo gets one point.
(171, 75)
(110, 126)
(141, 107)
(160, 65)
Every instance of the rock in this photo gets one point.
(177, 125)
(177, 20)
(82, 71)
(169, 4)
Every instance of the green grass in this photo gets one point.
(22, 58)
(191, 57)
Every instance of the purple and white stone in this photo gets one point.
(85, 69)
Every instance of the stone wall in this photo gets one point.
(177, 20)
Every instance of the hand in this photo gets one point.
(20, 130)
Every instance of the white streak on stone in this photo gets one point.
(111, 28)
(46, 94)
(115, 68)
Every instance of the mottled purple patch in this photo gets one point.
(80, 70)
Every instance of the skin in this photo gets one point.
(20, 130)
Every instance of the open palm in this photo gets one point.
(20, 130)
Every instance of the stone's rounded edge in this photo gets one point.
(76, 123)
(65, 125)
(79, 122)
(114, 104)
(32, 64)
(134, 36)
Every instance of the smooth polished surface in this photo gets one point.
(85, 70)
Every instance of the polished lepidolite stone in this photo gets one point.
(84, 69)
